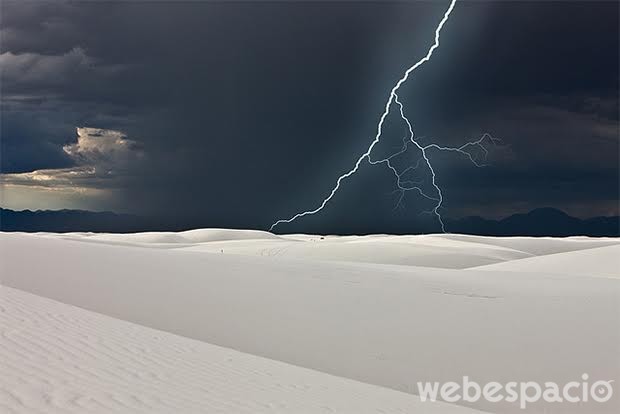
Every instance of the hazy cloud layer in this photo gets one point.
(103, 160)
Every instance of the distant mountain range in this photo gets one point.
(539, 222)
(62, 221)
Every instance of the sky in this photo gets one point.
(236, 114)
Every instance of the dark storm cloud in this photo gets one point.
(248, 112)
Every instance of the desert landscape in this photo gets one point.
(300, 207)
(216, 320)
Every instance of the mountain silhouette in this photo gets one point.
(62, 221)
(538, 222)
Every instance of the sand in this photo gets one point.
(383, 310)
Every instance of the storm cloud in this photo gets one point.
(244, 112)
(102, 161)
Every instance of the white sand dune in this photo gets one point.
(369, 249)
(384, 324)
(441, 251)
(539, 246)
(57, 358)
(600, 261)
(168, 239)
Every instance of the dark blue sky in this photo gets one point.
(240, 113)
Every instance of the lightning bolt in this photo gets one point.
(404, 185)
